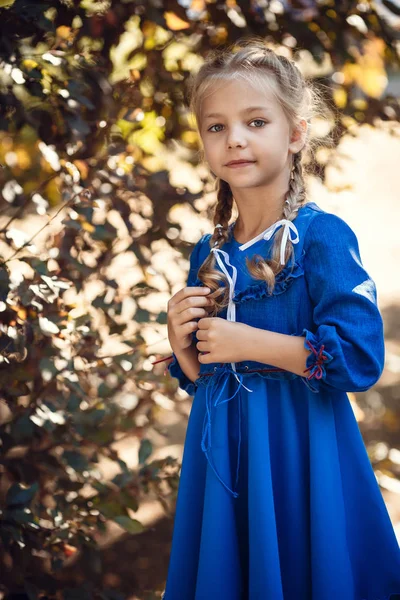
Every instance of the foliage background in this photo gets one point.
(102, 197)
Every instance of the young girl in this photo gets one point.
(279, 319)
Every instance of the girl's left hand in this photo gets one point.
(224, 341)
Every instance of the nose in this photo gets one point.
(235, 138)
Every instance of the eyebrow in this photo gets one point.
(248, 109)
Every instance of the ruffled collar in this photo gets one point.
(283, 280)
(259, 289)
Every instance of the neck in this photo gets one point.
(250, 224)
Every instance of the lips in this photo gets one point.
(239, 162)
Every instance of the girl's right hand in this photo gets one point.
(187, 304)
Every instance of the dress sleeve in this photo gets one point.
(347, 350)
(174, 367)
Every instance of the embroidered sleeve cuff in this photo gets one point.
(184, 382)
(316, 360)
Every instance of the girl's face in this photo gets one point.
(232, 129)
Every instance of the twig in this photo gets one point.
(44, 226)
(25, 204)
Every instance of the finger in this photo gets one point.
(197, 301)
(187, 292)
(205, 322)
(190, 326)
(202, 346)
(185, 329)
(205, 358)
(191, 313)
(190, 291)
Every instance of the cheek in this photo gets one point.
(210, 151)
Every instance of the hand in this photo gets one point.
(223, 341)
(187, 304)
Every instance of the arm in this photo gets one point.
(345, 348)
(185, 365)
(277, 349)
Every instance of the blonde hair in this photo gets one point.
(251, 60)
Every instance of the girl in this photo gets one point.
(279, 319)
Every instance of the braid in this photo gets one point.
(210, 276)
(295, 197)
(223, 212)
(296, 193)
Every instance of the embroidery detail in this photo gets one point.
(316, 360)
(316, 370)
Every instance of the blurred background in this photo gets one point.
(102, 198)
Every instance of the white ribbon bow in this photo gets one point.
(268, 233)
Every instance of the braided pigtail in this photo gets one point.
(210, 276)
(267, 269)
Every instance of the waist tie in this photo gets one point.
(220, 379)
(218, 384)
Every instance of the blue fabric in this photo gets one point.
(277, 497)
(347, 321)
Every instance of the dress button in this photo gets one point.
(246, 366)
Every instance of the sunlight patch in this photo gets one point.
(367, 289)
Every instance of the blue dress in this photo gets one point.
(277, 497)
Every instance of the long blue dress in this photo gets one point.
(277, 497)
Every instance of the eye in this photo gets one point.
(259, 121)
(217, 125)
(253, 121)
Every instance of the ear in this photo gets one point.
(298, 137)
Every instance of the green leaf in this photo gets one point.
(123, 479)
(110, 509)
(162, 318)
(4, 278)
(20, 516)
(74, 403)
(10, 532)
(142, 315)
(36, 264)
(23, 428)
(19, 495)
(129, 501)
(104, 232)
(76, 460)
(130, 525)
(145, 451)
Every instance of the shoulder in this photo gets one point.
(324, 228)
(201, 249)
(204, 242)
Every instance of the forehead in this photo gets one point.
(230, 97)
